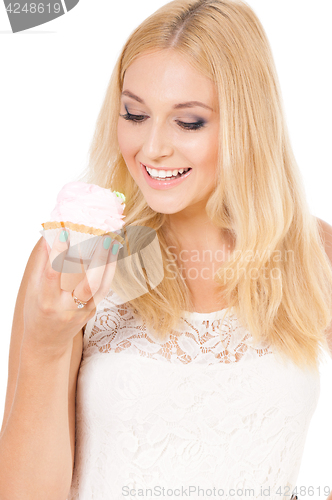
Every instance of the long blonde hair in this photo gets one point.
(279, 279)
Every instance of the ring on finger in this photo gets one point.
(80, 304)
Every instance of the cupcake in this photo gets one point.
(88, 212)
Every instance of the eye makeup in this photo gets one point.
(136, 119)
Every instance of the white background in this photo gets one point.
(52, 85)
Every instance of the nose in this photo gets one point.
(156, 142)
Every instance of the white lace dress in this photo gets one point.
(204, 413)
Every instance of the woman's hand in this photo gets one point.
(51, 317)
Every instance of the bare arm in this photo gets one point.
(326, 232)
(35, 449)
(38, 432)
(34, 385)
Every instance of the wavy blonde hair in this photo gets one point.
(259, 197)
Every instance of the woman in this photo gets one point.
(203, 384)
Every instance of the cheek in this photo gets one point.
(122, 138)
(203, 150)
(211, 151)
(126, 140)
(192, 147)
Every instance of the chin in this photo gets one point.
(162, 206)
(161, 209)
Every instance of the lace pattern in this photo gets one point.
(202, 338)
(214, 411)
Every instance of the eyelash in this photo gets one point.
(136, 119)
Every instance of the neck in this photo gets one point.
(193, 230)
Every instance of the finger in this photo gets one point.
(39, 262)
(51, 280)
(108, 275)
(94, 274)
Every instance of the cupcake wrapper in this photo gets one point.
(82, 246)
(81, 228)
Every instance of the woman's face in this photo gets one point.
(159, 129)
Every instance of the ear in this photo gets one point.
(326, 232)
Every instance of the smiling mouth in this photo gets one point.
(173, 177)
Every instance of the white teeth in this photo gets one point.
(164, 173)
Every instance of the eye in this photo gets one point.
(136, 119)
(133, 118)
(192, 126)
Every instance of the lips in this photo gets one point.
(166, 183)
(163, 168)
(166, 170)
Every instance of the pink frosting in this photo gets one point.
(89, 204)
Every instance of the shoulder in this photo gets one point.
(326, 232)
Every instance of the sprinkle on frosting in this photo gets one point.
(120, 195)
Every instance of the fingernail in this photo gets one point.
(63, 236)
(115, 248)
(107, 242)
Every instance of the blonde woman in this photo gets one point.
(202, 383)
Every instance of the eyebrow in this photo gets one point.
(189, 104)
